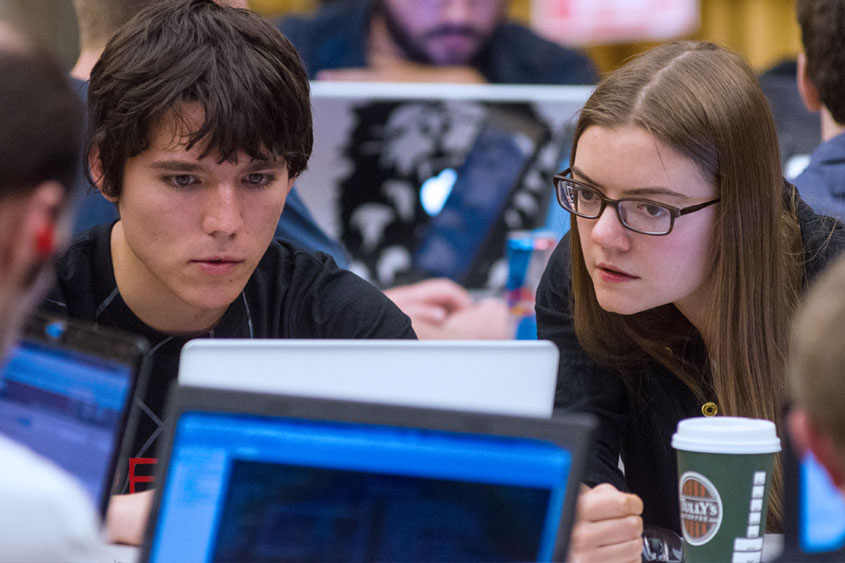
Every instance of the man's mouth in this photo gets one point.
(217, 265)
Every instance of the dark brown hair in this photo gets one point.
(704, 102)
(823, 35)
(247, 77)
(40, 123)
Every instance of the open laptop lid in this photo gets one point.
(267, 477)
(505, 377)
(383, 152)
(66, 393)
(814, 522)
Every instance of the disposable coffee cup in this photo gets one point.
(724, 478)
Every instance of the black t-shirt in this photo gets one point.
(291, 294)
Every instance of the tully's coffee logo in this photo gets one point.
(701, 508)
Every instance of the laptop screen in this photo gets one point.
(397, 171)
(66, 406)
(821, 518)
(65, 393)
(483, 184)
(241, 487)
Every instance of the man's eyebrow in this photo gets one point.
(188, 166)
(650, 190)
(176, 166)
(275, 164)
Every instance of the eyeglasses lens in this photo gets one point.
(645, 217)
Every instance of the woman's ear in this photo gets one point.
(95, 167)
(808, 90)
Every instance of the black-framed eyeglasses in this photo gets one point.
(639, 215)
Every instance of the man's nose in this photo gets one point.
(222, 211)
(457, 12)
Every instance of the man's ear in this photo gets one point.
(30, 224)
(95, 167)
(808, 90)
(806, 435)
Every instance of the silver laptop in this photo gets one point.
(395, 166)
(504, 377)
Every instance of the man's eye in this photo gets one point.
(181, 180)
(259, 179)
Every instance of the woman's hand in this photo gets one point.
(126, 518)
(608, 526)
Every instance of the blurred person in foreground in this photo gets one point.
(44, 513)
(815, 374)
(465, 41)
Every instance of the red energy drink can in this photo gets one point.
(527, 253)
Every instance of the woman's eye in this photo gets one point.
(652, 210)
(587, 195)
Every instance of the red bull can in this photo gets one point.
(527, 253)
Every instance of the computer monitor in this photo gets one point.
(390, 160)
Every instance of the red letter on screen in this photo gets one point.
(133, 461)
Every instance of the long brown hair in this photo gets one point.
(704, 101)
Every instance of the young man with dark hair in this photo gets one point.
(200, 121)
(821, 83)
(100, 19)
(439, 308)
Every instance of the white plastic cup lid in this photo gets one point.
(726, 435)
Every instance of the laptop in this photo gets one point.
(814, 522)
(505, 377)
(262, 477)
(402, 175)
(66, 393)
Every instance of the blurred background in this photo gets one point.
(610, 31)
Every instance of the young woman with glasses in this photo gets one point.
(671, 296)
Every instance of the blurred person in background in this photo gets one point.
(821, 83)
(466, 41)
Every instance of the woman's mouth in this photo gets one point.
(608, 273)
